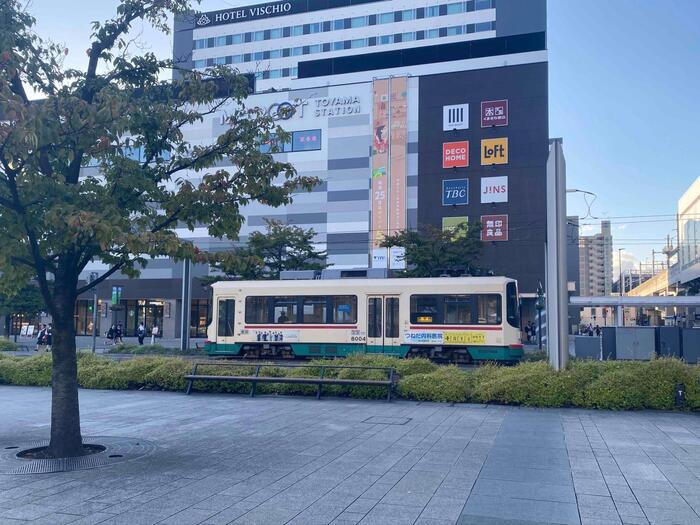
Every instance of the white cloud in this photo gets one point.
(622, 226)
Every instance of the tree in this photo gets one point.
(430, 251)
(56, 216)
(281, 247)
(28, 302)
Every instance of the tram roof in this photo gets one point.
(354, 283)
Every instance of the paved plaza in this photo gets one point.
(270, 460)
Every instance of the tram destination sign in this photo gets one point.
(261, 11)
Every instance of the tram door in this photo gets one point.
(383, 334)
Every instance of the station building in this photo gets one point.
(410, 112)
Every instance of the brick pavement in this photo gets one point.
(230, 459)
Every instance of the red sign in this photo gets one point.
(494, 227)
(494, 113)
(455, 154)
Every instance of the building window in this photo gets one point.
(297, 30)
(432, 11)
(315, 28)
(358, 42)
(386, 18)
(455, 30)
(338, 25)
(358, 21)
(337, 46)
(483, 26)
(276, 33)
(83, 317)
(220, 41)
(408, 14)
(483, 4)
(408, 37)
(259, 36)
(199, 317)
(432, 33)
(455, 8)
(386, 39)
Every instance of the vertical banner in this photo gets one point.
(380, 168)
(398, 98)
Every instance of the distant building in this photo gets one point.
(595, 262)
(687, 260)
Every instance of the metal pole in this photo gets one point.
(94, 319)
(185, 317)
(619, 262)
(539, 328)
(557, 292)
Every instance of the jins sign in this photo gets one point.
(246, 14)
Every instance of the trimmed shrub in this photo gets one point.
(617, 389)
(8, 346)
(447, 384)
(27, 371)
(531, 384)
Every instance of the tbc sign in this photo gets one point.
(494, 151)
(455, 154)
(455, 192)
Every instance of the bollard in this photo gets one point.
(680, 395)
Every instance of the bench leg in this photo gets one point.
(189, 387)
(252, 389)
(318, 392)
(388, 394)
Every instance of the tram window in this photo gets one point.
(489, 308)
(285, 310)
(374, 317)
(257, 310)
(458, 309)
(227, 309)
(512, 310)
(344, 309)
(315, 309)
(392, 317)
(424, 309)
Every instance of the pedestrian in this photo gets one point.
(154, 333)
(41, 339)
(111, 332)
(527, 332)
(141, 333)
(49, 337)
(119, 333)
(597, 330)
(589, 330)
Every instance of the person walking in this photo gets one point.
(141, 333)
(41, 339)
(49, 337)
(154, 333)
(527, 333)
(118, 335)
(597, 330)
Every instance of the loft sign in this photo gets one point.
(245, 14)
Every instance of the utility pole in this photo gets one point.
(557, 289)
(539, 305)
(93, 277)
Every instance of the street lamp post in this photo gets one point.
(619, 263)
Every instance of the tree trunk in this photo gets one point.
(66, 440)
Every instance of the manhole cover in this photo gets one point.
(117, 450)
(379, 420)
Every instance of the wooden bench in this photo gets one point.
(319, 381)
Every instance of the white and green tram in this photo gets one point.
(460, 319)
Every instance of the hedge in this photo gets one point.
(134, 349)
(8, 346)
(587, 384)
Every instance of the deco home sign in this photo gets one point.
(246, 14)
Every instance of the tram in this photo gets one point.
(460, 319)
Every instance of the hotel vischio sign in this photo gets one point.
(249, 13)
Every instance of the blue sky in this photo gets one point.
(623, 86)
